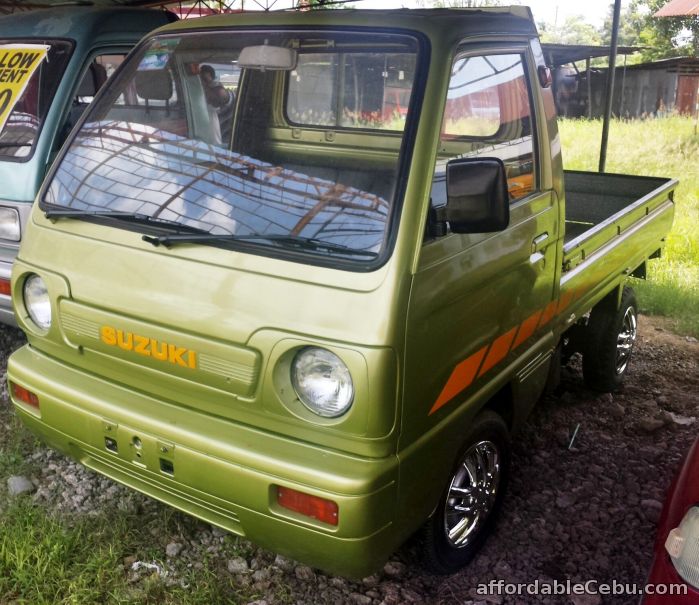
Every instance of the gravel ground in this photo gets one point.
(585, 511)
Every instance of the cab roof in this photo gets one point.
(436, 23)
(81, 23)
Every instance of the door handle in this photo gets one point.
(538, 241)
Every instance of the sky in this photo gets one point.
(593, 11)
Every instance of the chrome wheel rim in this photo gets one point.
(472, 493)
(626, 340)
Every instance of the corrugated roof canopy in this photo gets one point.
(560, 54)
(9, 6)
(679, 8)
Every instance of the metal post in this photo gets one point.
(610, 86)
(589, 88)
(623, 85)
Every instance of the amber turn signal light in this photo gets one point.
(24, 395)
(307, 505)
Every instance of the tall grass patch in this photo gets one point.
(48, 559)
(658, 147)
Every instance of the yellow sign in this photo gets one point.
(17, 64)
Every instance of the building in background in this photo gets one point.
(641, 90)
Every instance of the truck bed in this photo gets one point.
(601, 207)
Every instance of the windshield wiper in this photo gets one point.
(79, 213)
(306, 243)
(134, 217)
(5, 144)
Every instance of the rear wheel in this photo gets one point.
(610, 338)
(472, 498)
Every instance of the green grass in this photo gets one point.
(49, 558)
(52, 560)
(659, 147)
(15, 442)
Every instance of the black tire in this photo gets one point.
(609, 340)
(444, 553)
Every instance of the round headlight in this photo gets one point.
(322, 382)
(36, 301)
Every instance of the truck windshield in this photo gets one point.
(288, 141)
(20, 131)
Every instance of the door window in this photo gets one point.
(20, 132)
(488, 114)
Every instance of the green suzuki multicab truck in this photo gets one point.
(313, 314)
(83, 46)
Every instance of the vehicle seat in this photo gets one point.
(94, 78)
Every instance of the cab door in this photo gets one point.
(481, 304)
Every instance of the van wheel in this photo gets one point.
(611, 334)
(470, 503)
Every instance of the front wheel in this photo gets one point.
(609, 340)
(467, 509)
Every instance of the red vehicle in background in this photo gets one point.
(676, 559)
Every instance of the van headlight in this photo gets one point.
(9, 224)
(322, 382)
(37, 302)
(683, 547)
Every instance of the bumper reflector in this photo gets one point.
(307, 505)
(24, 395)
(5, 287)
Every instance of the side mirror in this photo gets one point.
(477, 196)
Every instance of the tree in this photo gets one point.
(665, 36)
(573, 31)
(630, 25)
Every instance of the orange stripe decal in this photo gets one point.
(461, 377)
(527, 328)
(466, 371)
(564, 301)
(498, 350)
(548, 313)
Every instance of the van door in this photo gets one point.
(482, 302)
(97, 69)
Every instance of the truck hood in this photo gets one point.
(202, 327)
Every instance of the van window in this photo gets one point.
(357, 90)
(95, 76)
(488, 113)
(21, 130)
(189, 137)
(101, 68)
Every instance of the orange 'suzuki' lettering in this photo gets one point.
(108, 335)
(174, 355)
(125, 343)
(159, 354)
(149, 347)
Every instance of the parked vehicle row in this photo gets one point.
(84, 46)
(312, 306)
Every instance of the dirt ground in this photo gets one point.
(588, 512)
(581, 511)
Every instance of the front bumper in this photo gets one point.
(219, 471)
(7, 314)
